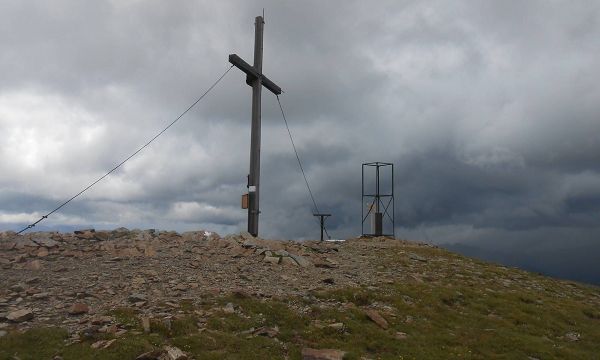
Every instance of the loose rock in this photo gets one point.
(271, 259)
(79, 308)
(20, 315)
(401, 335)
(229, 309)
(103, 344)
(146, 324)
(337, 326)
(134, 298)
(414, 256)
(377, 318)
(301, 260)
(572, 336)
(151, 355)
(266, 331)
(288, 261)
(34, 265)
(173, 353)
(322, 354)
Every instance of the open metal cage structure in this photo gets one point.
(381, 206)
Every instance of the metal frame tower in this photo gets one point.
(378, 202)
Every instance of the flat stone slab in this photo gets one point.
(20, 315)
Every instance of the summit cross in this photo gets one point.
(256, 79)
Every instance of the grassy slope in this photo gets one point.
(463, 309)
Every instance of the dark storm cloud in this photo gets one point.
(489, 111)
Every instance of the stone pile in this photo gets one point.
(68, 279)
(80, 280)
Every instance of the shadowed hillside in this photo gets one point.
(577, 262)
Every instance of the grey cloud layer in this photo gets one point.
(489, 111)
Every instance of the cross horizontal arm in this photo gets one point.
(253, 74)
(271, 85)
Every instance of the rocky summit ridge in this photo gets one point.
(105, 289)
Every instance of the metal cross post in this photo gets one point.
(256, 79)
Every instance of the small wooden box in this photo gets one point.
(245, 201)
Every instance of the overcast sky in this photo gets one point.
(489, 110)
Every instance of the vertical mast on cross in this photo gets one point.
(256, 79)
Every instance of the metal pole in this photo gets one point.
(322, 226)
(377, 188)
(254, 177)
(362, 200)
(393, 206)
(322, 222)
(378, 215)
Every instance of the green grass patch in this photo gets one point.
(224, 345)
(126, 316)
(45, 343)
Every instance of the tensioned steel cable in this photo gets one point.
(130, 156)
(300, 162)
